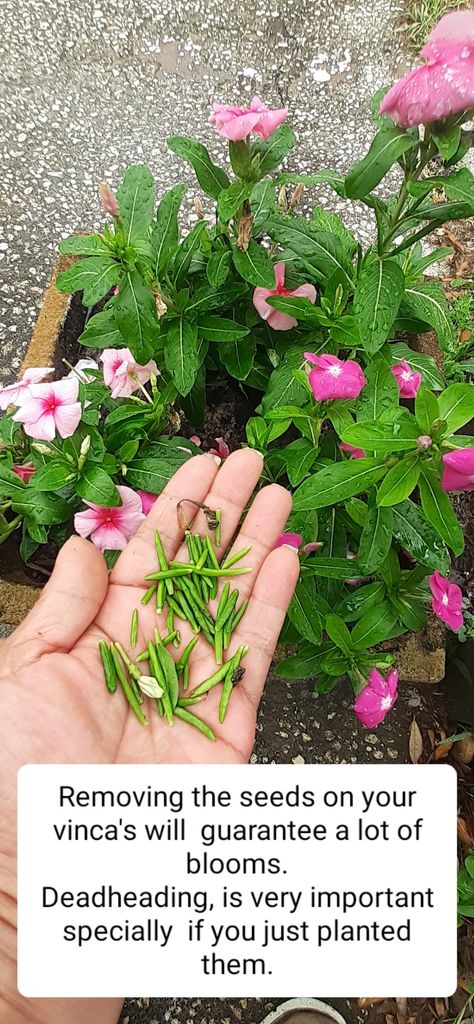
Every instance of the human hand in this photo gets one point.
(54, 705)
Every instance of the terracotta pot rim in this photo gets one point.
(281, 1013)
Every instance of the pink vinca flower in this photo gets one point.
(147, 500)
(446, 601)
(196, 440)
(334, 378)
(235, 123)
(289, 540)
(280, 321)
(458, 472)
(122, 374)
(50, 409)
(356, 453)
(376, 699)
(110, 529)
(15, 394)
(407, 379)
(222, 451)
(444, 84)
(24, 472)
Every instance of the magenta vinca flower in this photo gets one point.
(15, 394)
(458, 474)
(235, 123)
(446, 601)
(280, 321)
(376, 699)
(444, 84)
(408, 380)
(24, 472)
(334, 378)
(355, 453)
(147, 500)
(122, 374)
(110, 529)
(289, 540)
(50, 409)
(222, 451)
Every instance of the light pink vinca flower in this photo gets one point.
(444, 84)
(356, 453)
(408, 380)
(289, 540)
(50, 409)
(24, 472)
(122, 374)
(280, 321)
(376, 699)
(235, 123)
(15, 394)
(147, 500)
(334, 378)
(458, 474)
(222, 451)
(196, 440)
(110, 529)
(446, 601)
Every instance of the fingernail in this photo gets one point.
(215, 458)
(290, 547)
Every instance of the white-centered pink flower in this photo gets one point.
(147, 500)
(122, 374)
(376, 699)
(408, 380)
(446, 600)
(334, 378)
(110, 529)
(458, 472)
(50, 409)
(280, 321)
(235, 123)
(15, 394)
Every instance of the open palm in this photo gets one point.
(54, 706)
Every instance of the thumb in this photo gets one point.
(68, 604)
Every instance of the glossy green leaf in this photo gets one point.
(360, 599)
(274, 150)
(418, 361)
(43, 508)
(338, 632)
(438, 509)
(427, 302)
(374, 627)
(237, 356)
(400, 436)
(181, 353)
(135, 315)
(306, 611)
(97, 486)
(164, 235)
(400, 481)
(322, 252)
(230, 199)
(387, 147)
(94, 276)
(255, 265)
(211, 178)
(85, 245)
(426, 410)
(218, 267)
(135, 198)
(157, 462)
(262, 204)
(102, 332)
(53, 475)
(380, 392)
(418, 536)
(376, 538)
(456, 406)
(332, 568)
(338, 482)
(219, 329)
(302, 665)
(298, 457)
(283, 387)
(377, 297)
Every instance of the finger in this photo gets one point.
(231, 489)
(264, 618)
(193, 480)
(68, 604)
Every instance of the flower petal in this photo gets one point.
(67, 418)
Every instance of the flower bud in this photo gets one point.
(245, 232)
(43, 449)
(149, 686)
(424, 442)
(281, 202)
(84, 449)
(161, 307)
(296, 197)
(198, 208)
(108, 200)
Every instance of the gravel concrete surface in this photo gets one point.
(89, 87)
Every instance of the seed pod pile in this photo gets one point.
(186, 590)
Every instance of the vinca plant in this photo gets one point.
(316, 331)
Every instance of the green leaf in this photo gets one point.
(338, 632)
(157, 463)
(97, 486)
(211, 178)
(102, 331)
(374, 627)
(383, 437)
(337, 482)
(301, 665)
(321, 251)
(400, 481)
(447, 139)
(358, 602)
(230, 199)
(219, 329)
(418, 537)
(388, 146)
(298, 457)
(262, 204)
(456, 406)
(335, 663)
(189, 247)
(10, 484)
(283, 387)
(206, 298)
(332, 568)
(274, 150)
(42, 508)
(255, 265)
(302, 309)
(377, 297)
(325, 177)
(426, 410)
(306, 611)
(218, 267)
(181, 353)
(194, 404)
(94, 276)
(164, 236)
(380, 392)
(325, 220)
(427, 302)
(438, 509)
(53, 475)
(237, 356)
(135, 315)
(458, 186)
(376, 538)
(84, 245)
(135, 198)
(418, 361)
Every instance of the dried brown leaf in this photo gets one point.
(463, 750)
(366, 1001)
(401, 1010)
(415, 744)
(465, 836)
(441, 1008)
(442, 750)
